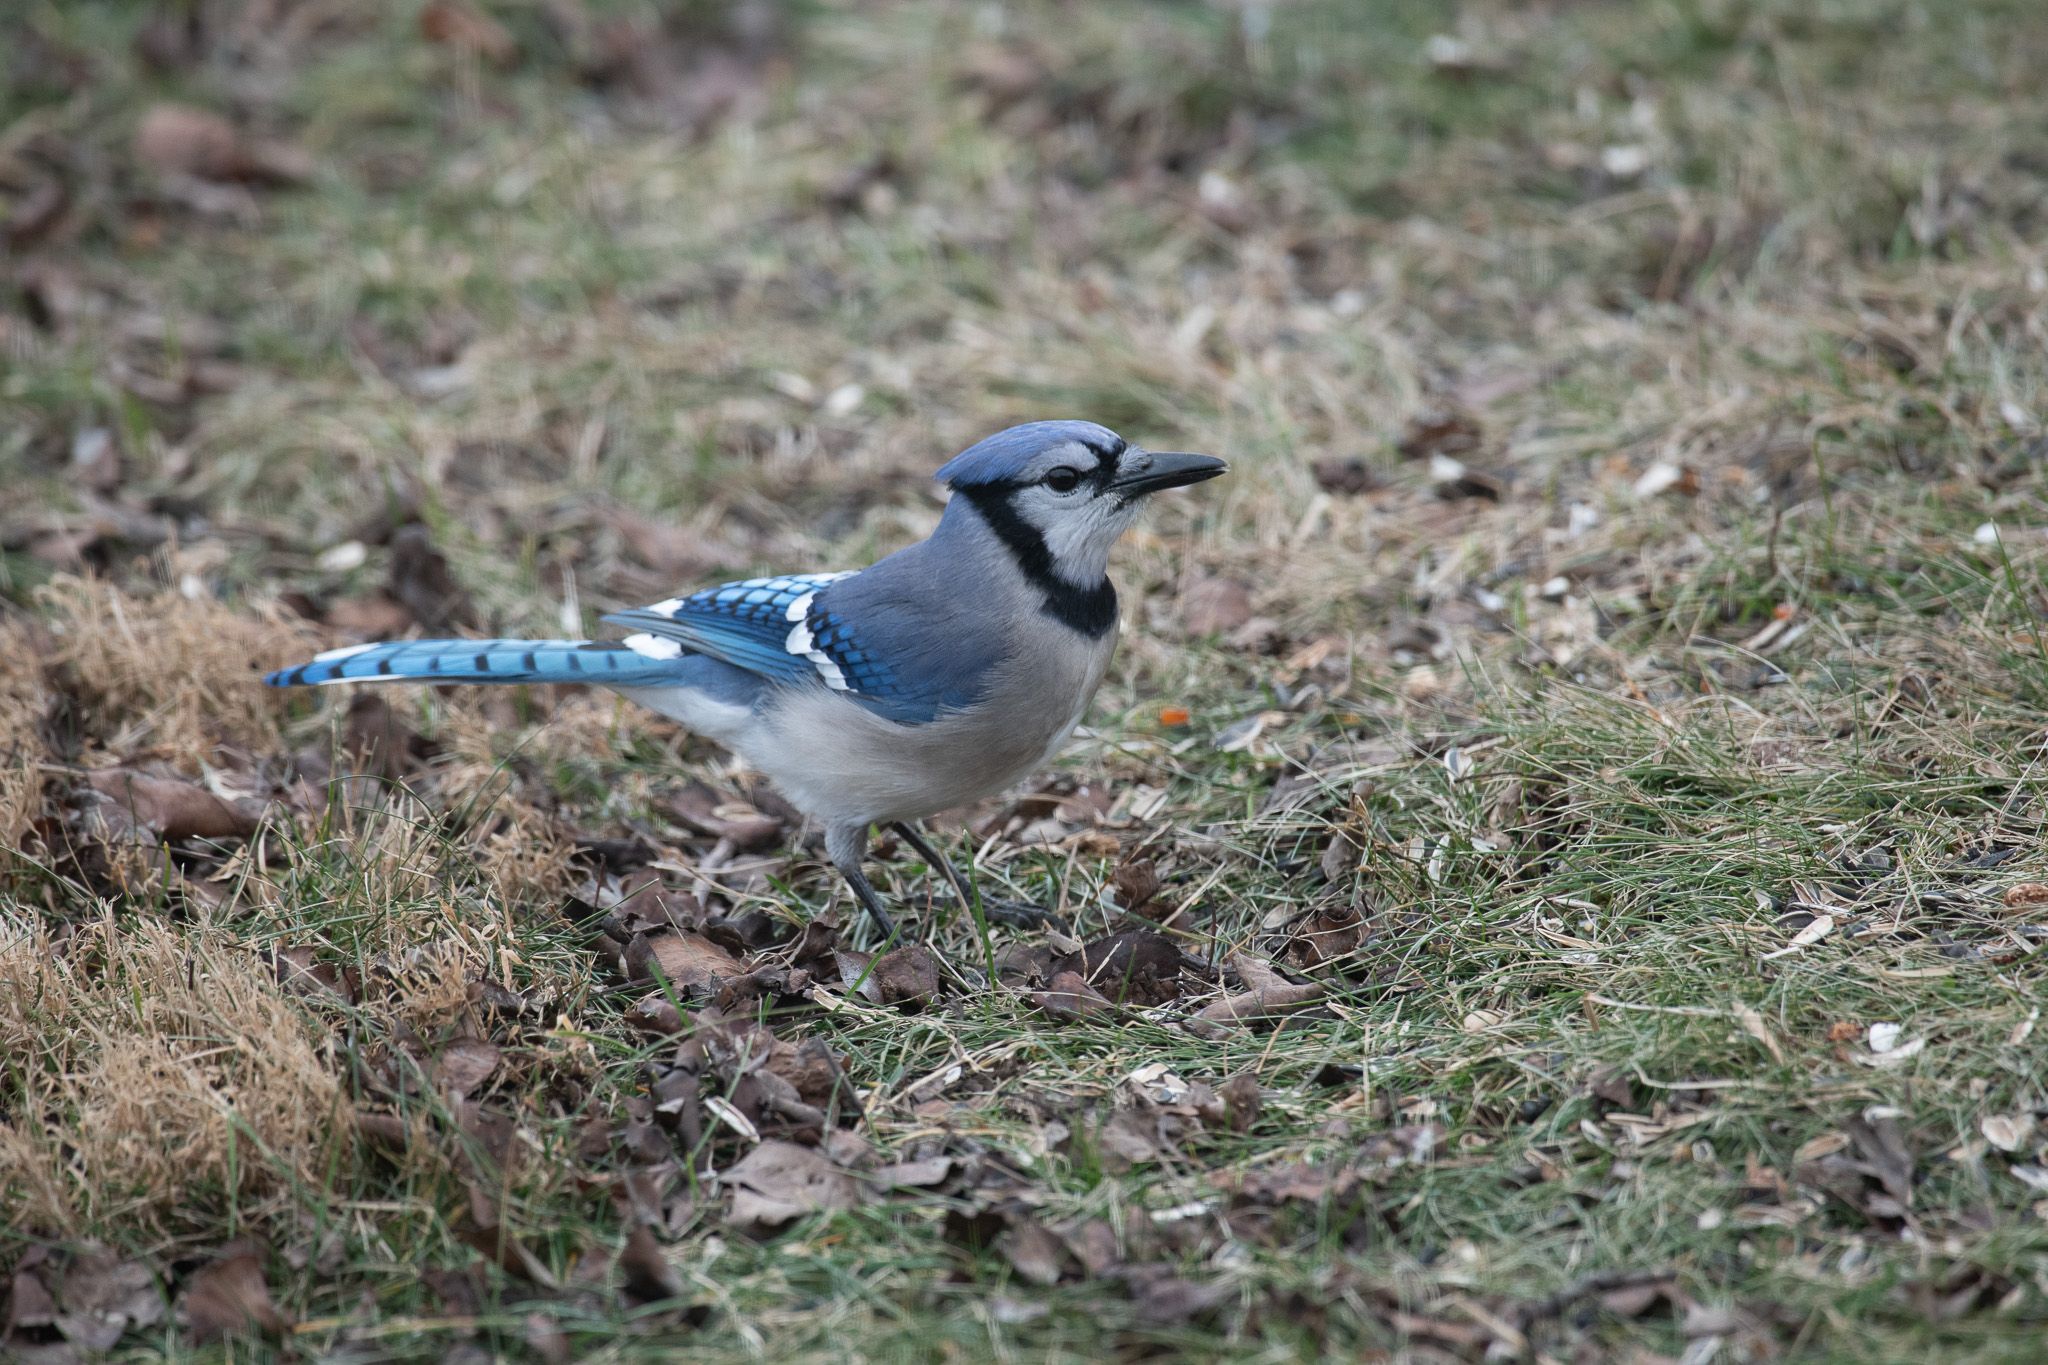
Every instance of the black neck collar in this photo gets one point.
(1091, 610)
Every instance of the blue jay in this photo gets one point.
(939, 675)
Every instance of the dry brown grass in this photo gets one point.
(168, 674)
(157, 1076)
(23, 703)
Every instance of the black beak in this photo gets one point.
(1165, 469)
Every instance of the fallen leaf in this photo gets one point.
(544, 1335)
(377, 739)
(485, 1232)
(779, 1182)
(1213, 605)
(230, 1298)
(1884, 1152)
(1813, 931)
(177, 139)
(1665, 477)
(912, 1175)
(1753, 1024)
(1134, 883)
(1439, 431)
(1130, 1137)
(689, 962)
(1137, 966)
(1347, 477)
(1454, 479)
(464, 1065)
(703, 810)
(460, 25)
(1242, 1099)
(1267, 995)
(1165, 1299)
(1068, 996)
(31, 1308)
(172, 808)
(2006, 1132)
(1334, 929)
(645, 1274)
(1033, 1251)
(2026, 896)
(907, 976)
(102, 1303)
(95, 460)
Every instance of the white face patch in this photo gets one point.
(1080, 528)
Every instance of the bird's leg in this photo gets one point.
(1015, 914)
(843, 845)
(936, 860)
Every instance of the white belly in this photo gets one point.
(839, 762)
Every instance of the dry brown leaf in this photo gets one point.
(103, 1296)
(689, 962)
(1068, 996)
(1439, 431)
(1165, 1299)
(907, 976)
(908, 1175)
(1334, 929)
(460, 25)
(1347, 477)
(1754, 1025)
(1134, 883)
(231, 1298)
(1267, 995)
(2006, 1132)
(1242, 1099)
(466, 1064)
(172, 808)
(1136, 967)
(1033, 1251)
(645, 1274)
(1131, 1137)
(485, 1232)
(2026, 896)
(779, 1182)
(1212, 605)
(544, 1335)
(31, 1308)
(378, 740)
(699, 808)
(177, 139)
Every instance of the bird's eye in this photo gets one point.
(1063, 480)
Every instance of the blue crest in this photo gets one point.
(1006, 454)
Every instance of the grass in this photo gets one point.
(1589, 1080)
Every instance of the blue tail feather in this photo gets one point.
(605, 662)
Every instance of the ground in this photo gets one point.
(1556, 870)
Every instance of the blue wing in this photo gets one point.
(852, 633)
(746, 624)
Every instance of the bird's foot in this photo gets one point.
(1021, 915)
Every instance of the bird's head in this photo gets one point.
(1060, 493)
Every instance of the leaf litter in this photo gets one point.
(459, 1017)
